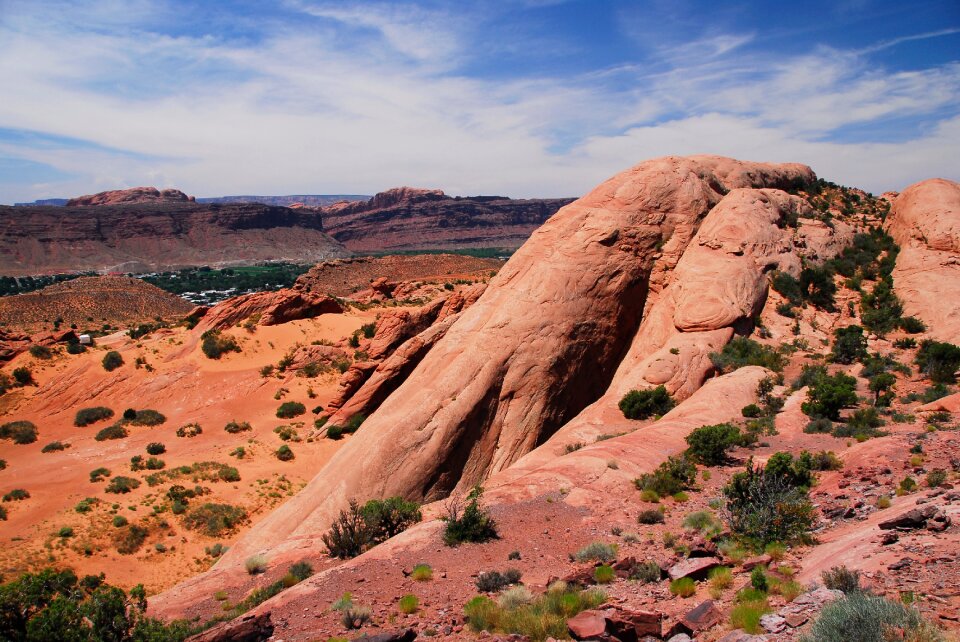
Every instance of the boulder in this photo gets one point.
(634, 625)
(914, 518)
(700, 618)
(587, 624)
(272, 308)
(246, 628)
(400, 635)
(695, 568)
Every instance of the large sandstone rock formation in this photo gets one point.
(925, 223)
(406, 218)
(129, 196)
(548, 335)
(157, 235)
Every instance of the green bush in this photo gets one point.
(301, 570)
(880, 310)
(389, 517)
(22, 376)
(849, 344)
(494, 581)
(912, 325)
(789, 287)
(683, 587)
(119, 521)
(905, 344)
(16, 495)
(421, 573)
(742, 351)
(156, 448)
(604, 574)
(768, 506)
(113, 431)
(708, 445)
(840, 578)
(862, 424)
(758, 579)
(936, 477)
(468, 522)
(214, 344)
(873, 618)
(215, 519)
(284, 453)
(650, 516)
(939, 361)
(54, 446)
(821, 425)
(537, 619)
(291, 409)
(408, 604)
(751, 411)
(818, 287)
(642, 404)
(189, 431)
(129, 539)
(597, 552)
(828, 395)
(98, 474)
(38, 351)
(112, 360)
(145, 417)
(87, 416)
(86, 505)
(19, 432)
(234, 427)
(229, 474)
(674, 475)
(122, 485)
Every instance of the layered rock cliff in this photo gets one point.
(414, 219)
(159, 235)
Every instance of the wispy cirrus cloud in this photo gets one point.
(357, 97)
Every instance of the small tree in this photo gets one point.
(709, 444)
(348, 535)
(849, 344)
(764, 507)
(939, 361)
(880, 385)
(828, 395)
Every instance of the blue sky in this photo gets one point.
(516, 97)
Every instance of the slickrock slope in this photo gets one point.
(116, 299)
(548, 334)
(159, 235)
(405, 218)
(925, 222)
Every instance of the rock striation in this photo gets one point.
(406, 218)
(162, 234)
(131, 196)
(925, 223)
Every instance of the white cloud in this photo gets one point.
(300, 111)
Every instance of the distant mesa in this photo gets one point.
(130, 196)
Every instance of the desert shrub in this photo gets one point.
(880, 310)
(683, 587)
(905, 343)
(809, 375)
(229, 474)
(354, 617)
(256, 564)
(214, 344)
(789, 287)
(16, 495)
(54, 446)
(215, 519)
(301, 570)
(129, 539)
(881, 385)
(823, 460)
(291, 409)
(751, 411)
(642, 404)
(121, 485)
(758, 579)
(75, 347)
(840, 578)
(828, 395)
(818, 287)
(936, 477)
(284, 453)
(87, 416)
(389, 517)
(99, 474)
(821, 425)
(38, 351)
(908, 484)
(720, 578)
(286, 433)
(112, 360)
(119, 521)
(408, 604)
(861, 425)
(19, 432)
(742, 351)
(646, 572)
(65, 531)
(468, 521)
(674, 475)
(766, 506)
(348, 535)
(912, 325)
(86, 505)
(703, 522)
(747, 613)
(597, 552)
(422, 573)
(156, 448)
(537, 619)
(708, 445)
(939, 361)
(493, 581)
(604, 574)
(53, 605)
(234, 427)
(650, 516)
(189, 430)
(849, 344)
(113, 431)
(334, 432)
(145, 417)
(873, 618)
